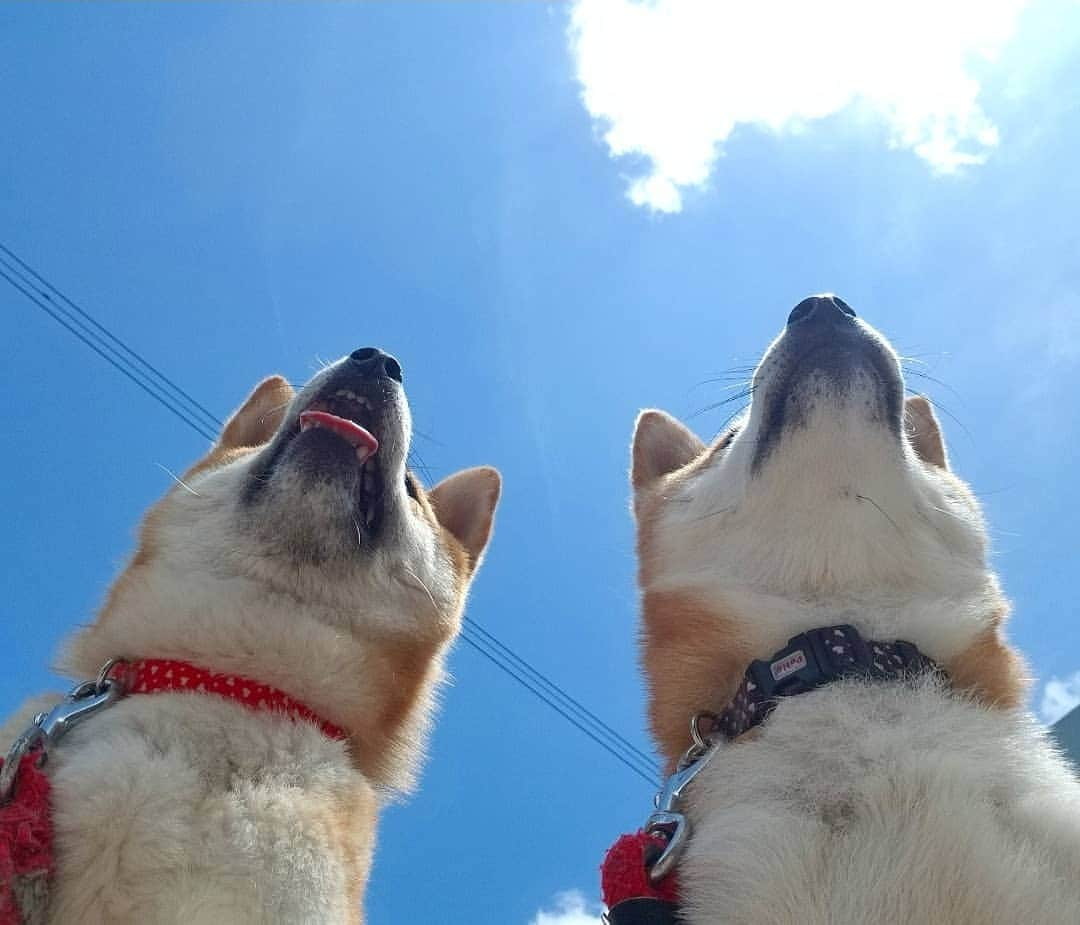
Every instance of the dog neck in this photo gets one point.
(376, 685)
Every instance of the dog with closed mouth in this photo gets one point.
(815, 590)
(300, 588)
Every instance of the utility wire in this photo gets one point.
(77, 321)
(208, 416)
(64, 319)
(647, 774)
(556, 691)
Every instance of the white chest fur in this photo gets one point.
(864, 802)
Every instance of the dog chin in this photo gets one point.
(838, 437)
(847, 395)
(323, 514)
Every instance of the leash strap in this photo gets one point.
(643, 910)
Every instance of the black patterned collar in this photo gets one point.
(810, 660)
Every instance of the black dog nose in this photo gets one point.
(821, 309)
(375, 364)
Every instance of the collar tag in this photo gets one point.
(788, 665)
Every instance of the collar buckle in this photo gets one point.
(807, 662)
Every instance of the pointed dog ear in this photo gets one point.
(259, 417)
(661, 445)
(924, 432)
(464, 503)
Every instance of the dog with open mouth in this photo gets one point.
(828, 677)
(270, 656)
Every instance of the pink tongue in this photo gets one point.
(364, 441)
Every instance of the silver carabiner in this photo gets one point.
(48, 728)
(82, 703)
(667, 822)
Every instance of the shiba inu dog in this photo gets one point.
(300, 554)
(928, 796)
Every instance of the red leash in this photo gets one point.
(624, 874)
(25, 837)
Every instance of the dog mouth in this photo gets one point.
(340, 429)
(334, 466)
(344, 425)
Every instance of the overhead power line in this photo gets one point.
(42, 300)
(140, 371)
(88, 321)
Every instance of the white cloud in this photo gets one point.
(671, 79)
(571, 908)
(1059, 697)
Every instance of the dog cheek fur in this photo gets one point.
(693, 657)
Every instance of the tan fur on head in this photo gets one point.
(238, 816)
(383, 689)
(700, 626)
(931, 799)
(693, 654)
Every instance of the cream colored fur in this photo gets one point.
(859, 802)
(186, 808)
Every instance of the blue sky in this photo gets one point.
(239, 190)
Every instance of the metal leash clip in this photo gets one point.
(667, 822)
(48, 728)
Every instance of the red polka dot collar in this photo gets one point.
(158, 675)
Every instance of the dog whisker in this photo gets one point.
(420, 583)
(745, 393)
(275, 409)
(716, 513)
(942, 510)
(940, 407)
(741, 379)
(731, 417)
(924, 375)
(937, 529)
(883, 513)
(179, 481)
